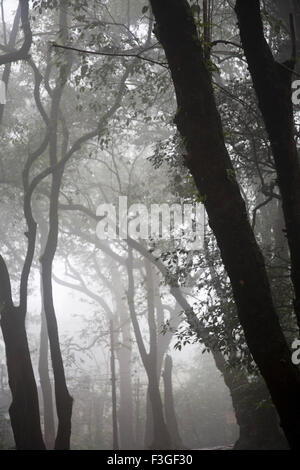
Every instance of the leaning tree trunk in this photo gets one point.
(258, 422)
(24, 409)
(272, 84)
(199, 123)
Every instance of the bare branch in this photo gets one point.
(22, 53)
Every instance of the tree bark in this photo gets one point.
(207, 158)
(64, 401)
(24, 409)
(161, 438)
(138, 425)
(124, 353)
(113, 387)
(163, 342)
(272, 84)
(11, 44)
(170, 413)
(49, 425)
(22, 53)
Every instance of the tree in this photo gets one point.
(161, 436)
(22, 53)
(171, 418)
(207, 158)
(24, 409)
(272, 82)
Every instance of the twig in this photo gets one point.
(110, 54)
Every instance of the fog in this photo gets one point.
(150, 204)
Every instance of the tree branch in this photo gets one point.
(112, 54)
(22, 53)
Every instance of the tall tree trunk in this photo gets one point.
(22, 52)
(170, 412)
(161, 438)
(64, 401)
(280, 242)
(49, 425)
(163, 343)
(258, 423)
(148, 436)
(11, 45)
(272, 84)
(125, 414)
(24, 409)
(98, 421)
(113, 387)
(138, 424)
(124, 353)
(207, 158)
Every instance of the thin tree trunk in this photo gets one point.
(64, 401)
(138, 427)
(170, 412)
(163, 342)
(124, 353)
(148, 436)
(49, 425)
(113, 388)
(98, 421)
(11, 45)
(161, 438)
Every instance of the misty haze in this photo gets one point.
(150, 226)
